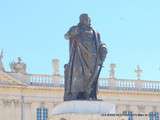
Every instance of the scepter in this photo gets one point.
(94, 85)
(94, 79)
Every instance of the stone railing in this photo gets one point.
(46, 80)
(104, 83)
(151, 85)
(133, 84)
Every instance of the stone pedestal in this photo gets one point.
(85, 110)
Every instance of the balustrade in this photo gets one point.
(58, 81)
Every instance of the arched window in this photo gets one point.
(42, 113)
(129, 114)
(154, 116)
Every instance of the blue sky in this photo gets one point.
(34, 30)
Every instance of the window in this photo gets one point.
(154, 116)
(42, 113)
(129, 114)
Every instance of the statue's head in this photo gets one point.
(85, 19)
(19, 59)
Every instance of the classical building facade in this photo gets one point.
(26, 96)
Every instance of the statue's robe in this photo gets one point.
(83, 62)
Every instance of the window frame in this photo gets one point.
(129, 114)
(42, 113)
(154, 116)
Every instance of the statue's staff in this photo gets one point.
(94, 84)
(92, 88)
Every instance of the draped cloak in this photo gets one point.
(83, 61)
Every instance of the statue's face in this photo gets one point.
(85, 20)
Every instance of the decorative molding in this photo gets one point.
(127, 107)
(42, 104)
(141, 108)
(154, 108)
(9, 102)
(6, 102)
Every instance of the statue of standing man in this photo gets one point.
(86, 56)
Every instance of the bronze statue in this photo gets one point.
(86, 56)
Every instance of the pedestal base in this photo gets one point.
(85, 110)
(84, 107)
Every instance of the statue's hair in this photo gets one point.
(82, 16)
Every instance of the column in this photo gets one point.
(55, 63)
(134, 110)
(17, 113)
(56, 73)
(1, 109)
(138, 82)
(112, 78)
(27, 111)
(34, 107)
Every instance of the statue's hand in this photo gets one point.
(103, 52)
(72, 33)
